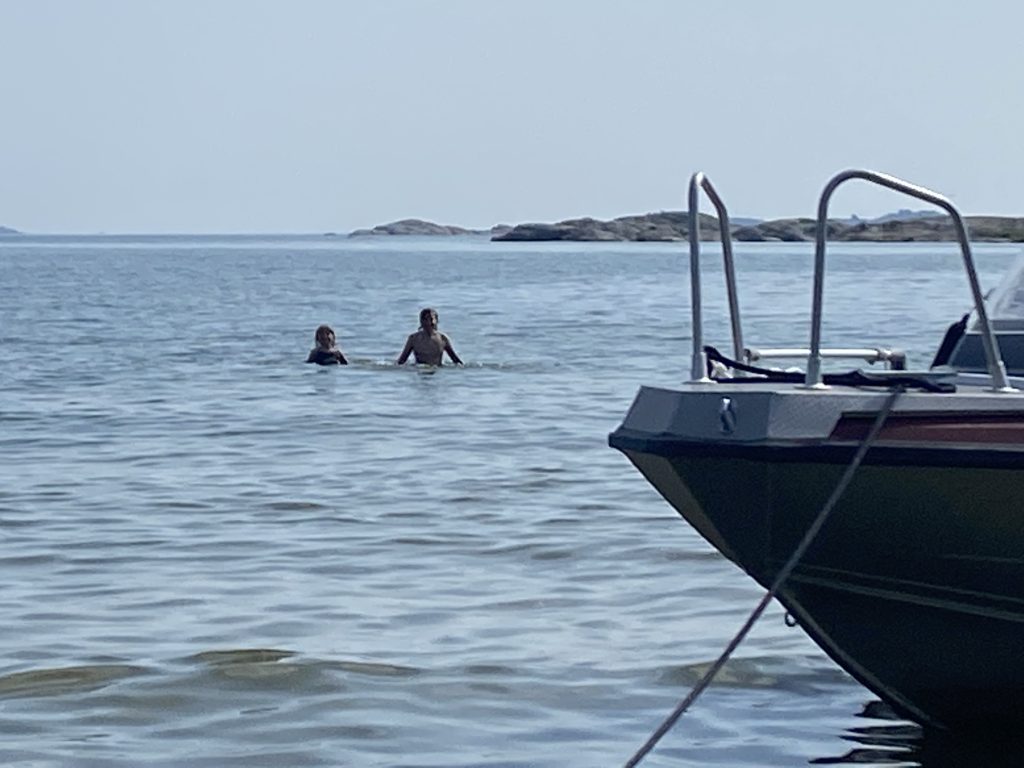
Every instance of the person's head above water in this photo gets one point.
(325, 337)
(326, 351)
(428, 318)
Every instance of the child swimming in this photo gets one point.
(326, 352)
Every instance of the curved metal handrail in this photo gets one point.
(698, 367)
(996, 367)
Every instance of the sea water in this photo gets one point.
(214, 555)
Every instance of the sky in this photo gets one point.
(235, 116)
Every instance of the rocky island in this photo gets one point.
(420, 227)
(668, 226)
(8, 231)
(672, 225)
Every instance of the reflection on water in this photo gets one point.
(65, 680)
(906, 744)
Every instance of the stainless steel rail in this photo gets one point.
(698, 367)
(996, 368)
(893, 357)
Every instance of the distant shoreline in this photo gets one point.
(420, 227)
(671, 226)
(664, 226)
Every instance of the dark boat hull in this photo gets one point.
(916, 584)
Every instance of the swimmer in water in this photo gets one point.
(326, 352)
(428, 345)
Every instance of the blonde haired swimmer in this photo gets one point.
(326, 352)
(428, 345)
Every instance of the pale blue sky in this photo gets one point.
(313, 116)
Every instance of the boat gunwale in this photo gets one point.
(824, 451)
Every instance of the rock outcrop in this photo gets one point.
(663, 226)
(989, 229)
(415, 227)
(671, 225)
(667, 226)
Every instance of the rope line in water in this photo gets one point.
(783, 574)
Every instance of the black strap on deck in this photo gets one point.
(848, 379)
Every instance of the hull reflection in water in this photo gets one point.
(906, 744)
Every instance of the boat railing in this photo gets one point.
(994, 361)
(699, 374)
(894, 358)
(698, 369)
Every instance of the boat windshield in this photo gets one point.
(1006, 304)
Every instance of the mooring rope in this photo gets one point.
(783, 574)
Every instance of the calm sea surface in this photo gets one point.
(214, 555)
